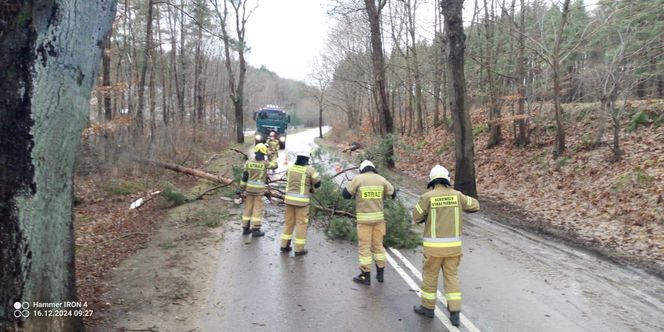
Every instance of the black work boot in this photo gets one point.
(256, 232)
(287, 248)
(423, 311)
(246, 230)
(454, 318)
(301, 253)
(379, 273)
(364, 278)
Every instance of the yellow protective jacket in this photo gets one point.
(300, 183)
(273, 145)
(369, 190)
(442, 208)
(254, 177)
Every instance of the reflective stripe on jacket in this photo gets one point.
(257, 179)
(300, 182)
(442, 208)
(369, 190)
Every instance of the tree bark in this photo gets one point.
(106, 76)
(236, 91)
(50, 55)
(198, 68)
(494, 109)
(463, 131)
(144, 70)
(386, 124)
(183, 67)
(521, 137)
(559, 146)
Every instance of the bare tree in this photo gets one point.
(521, 137)
(144, 68)
(489, 63)
(321, 77)
(386, 125)
(464, 174)
(555, 60)
(242, 15)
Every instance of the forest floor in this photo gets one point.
(614, 208)
(141, 269)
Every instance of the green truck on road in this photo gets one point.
(268, 119)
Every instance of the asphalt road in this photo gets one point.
(511, 280)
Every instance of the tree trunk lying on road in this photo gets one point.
(181, 169)
(270, 193)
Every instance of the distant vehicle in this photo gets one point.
(271, 118)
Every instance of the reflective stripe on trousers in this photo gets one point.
(370, 216)
(428, 296)
(286, 237)
(297, 197)
(366, 260)
(444, 242)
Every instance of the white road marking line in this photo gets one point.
(465, 321)
(437, 312)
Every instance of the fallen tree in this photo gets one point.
(181, 169)
(271, 192)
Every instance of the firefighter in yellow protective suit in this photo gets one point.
(302, 179)
(254, 182)
(272, 147)
(369, 190)
(441, 209)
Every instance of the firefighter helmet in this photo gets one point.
(439, 172)
(260, 148)
(365, 164)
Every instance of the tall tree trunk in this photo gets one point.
(172, 24)
(386, 124)
(494, 108)
(464, 174)
(183, 67)
(144, 70)
(198, 73)
(320, 117)
(415, 68)
(45, 87)
(438, 76)
(152, 92)
(106, 75)
(521, 124)
(236, 91)
(559, 146)
(165, 83)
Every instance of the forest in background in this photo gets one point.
(523, 60)
(565, 104)
(173, 73)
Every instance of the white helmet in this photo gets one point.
(439, 172)
(366, 163)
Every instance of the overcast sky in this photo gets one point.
(286, 35)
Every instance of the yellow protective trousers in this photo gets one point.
(450, 267)
(253, 211)
(370, 238)
(296, 217)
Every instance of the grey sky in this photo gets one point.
(286, 35)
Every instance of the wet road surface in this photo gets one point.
(511, 280)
